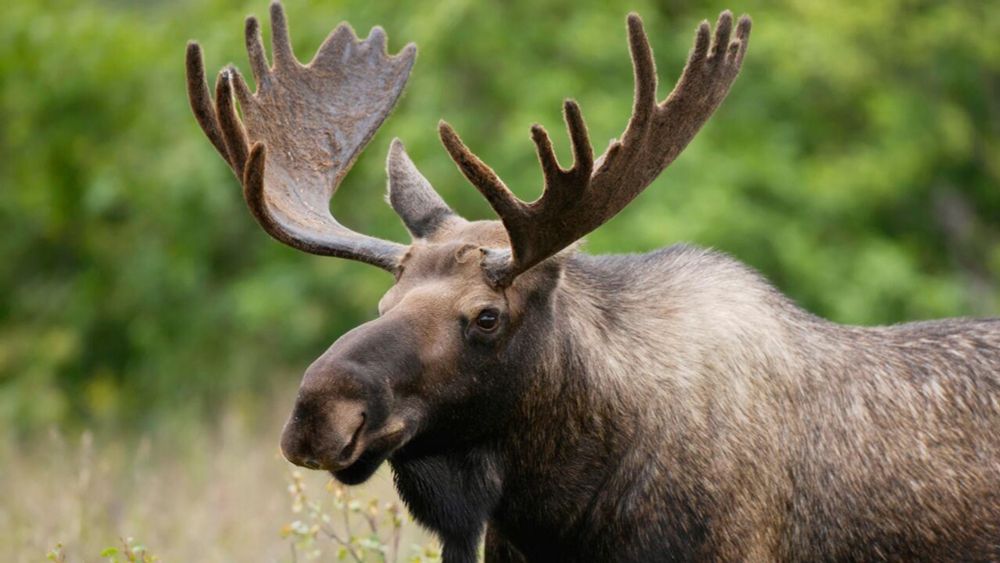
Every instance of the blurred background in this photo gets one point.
(152, 336)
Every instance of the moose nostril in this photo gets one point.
(310, 463)
(348, 450)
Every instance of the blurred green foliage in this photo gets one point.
(856, 163)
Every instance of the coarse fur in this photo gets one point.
(675, 406)
(657, 407)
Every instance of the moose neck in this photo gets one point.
(641, 355)
(581, 401)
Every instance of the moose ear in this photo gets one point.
(412, 196)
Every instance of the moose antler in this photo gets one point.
(308, 123)
(578, 200)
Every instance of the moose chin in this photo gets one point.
(672, 405)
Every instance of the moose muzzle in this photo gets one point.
(323, 434)
(344, 406)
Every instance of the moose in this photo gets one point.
(665, 406)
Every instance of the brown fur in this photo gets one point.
(684, 397)
(795, 438)
(666, 406)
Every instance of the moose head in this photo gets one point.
(456, 335)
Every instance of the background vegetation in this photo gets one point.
(856, 163)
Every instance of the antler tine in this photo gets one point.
(557, 180)
(255, 51)
(723, 29)
(644, 73)
(500, 198)
(578, 200)
(201, 100)
(281, 43)
(315, 119)
(233, 133)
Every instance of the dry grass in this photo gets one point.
(227, 495)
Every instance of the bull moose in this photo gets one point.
(664, 406)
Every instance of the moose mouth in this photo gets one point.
(365, 459)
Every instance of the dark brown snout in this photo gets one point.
(324, 433)
(345, 407)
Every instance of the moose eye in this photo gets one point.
(488, 320)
